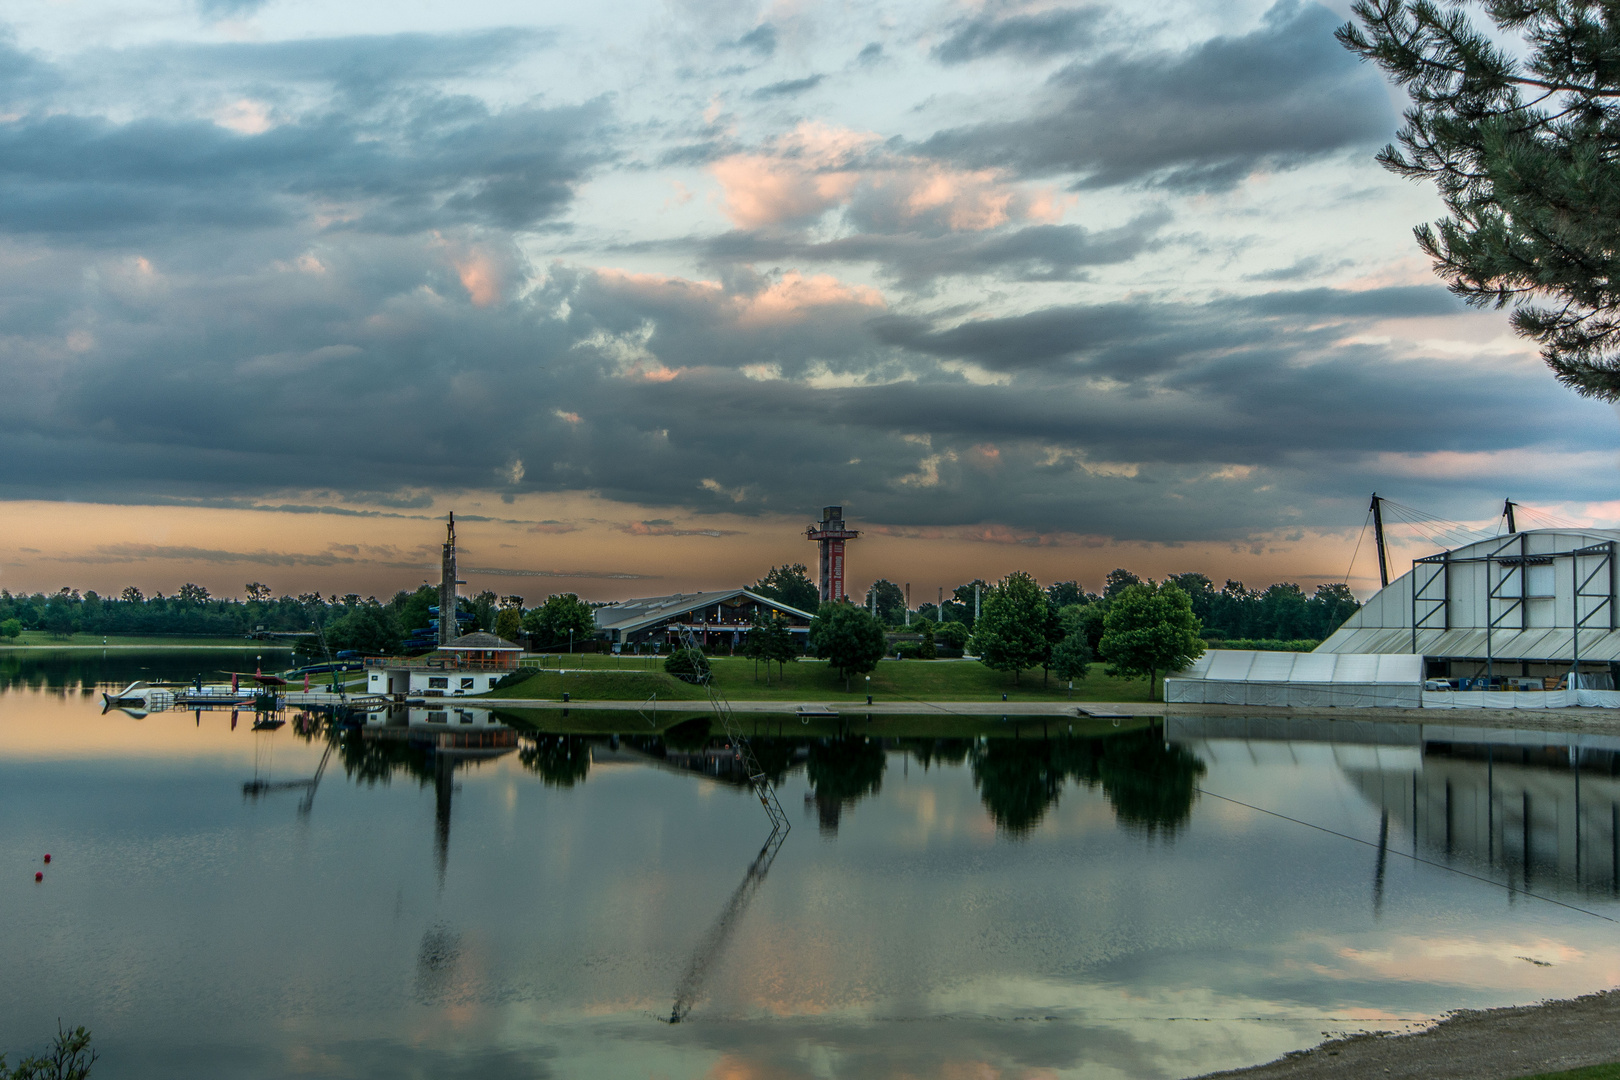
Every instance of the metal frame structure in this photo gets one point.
(1603, 557)
(757, 780)
(1441, 604)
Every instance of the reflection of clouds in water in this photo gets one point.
(436, 963)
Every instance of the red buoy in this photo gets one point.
(47, 857)
(39, 875)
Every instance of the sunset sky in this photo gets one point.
(636, 287)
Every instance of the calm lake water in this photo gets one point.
(449, 896)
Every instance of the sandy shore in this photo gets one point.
(1491, 1044)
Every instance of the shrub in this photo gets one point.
(688, 665)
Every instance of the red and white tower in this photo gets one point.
(832, 536)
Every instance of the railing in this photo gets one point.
(442, 663)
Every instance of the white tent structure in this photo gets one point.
(1299, 680)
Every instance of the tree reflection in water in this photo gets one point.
(560, 760)
(841, 772)
(1149, 785)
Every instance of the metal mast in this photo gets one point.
(447, 586)
(1507, 508)
(1378, 533)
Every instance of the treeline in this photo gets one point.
(348, 622)
(1282, 612)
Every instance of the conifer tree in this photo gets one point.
(1523, 152)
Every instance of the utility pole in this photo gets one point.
(908, 605)
(1378, 534)
(976, 588)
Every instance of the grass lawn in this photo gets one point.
(1591, 1072)
(600, 677)
(39, 639)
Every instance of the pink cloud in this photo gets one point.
(817, 167)
(794, 297)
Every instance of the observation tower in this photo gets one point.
(832, 536)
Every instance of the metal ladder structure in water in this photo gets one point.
(757, 780)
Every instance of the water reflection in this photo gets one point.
(1538, 811)
(493, 895)
(83, 670)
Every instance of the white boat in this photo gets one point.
(140, 695)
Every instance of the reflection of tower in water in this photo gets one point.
(444, 786)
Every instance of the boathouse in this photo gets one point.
(469, 664)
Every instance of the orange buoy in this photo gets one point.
(39, 875)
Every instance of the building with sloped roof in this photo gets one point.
(1531, 605)
(717, 619)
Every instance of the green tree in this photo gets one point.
(780, 646)
(368, 628)
(1118, 581)
(58, 617)
(1011, 631)
(890, 601)
(929, 646)
(560, 614)
(69, 1058)
(509, 623)
(790, 585)
(1071, 659)
(756, 644)
(191, 593)
(849, 638)
(1515, 125)
(688, 665)
(1148, 629)
(954, 635)
(11, 629)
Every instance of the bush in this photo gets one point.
(688, 665)
(1264, 644)
(11, 629)
(512, 679)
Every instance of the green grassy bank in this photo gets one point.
(600, 677)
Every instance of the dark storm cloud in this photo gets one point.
(417, 159)
(1043, 33)
(1130, 339)
(447, 161)
(1108, 410)
(1203, 118)
(357, 66)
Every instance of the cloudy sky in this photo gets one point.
(638, 286)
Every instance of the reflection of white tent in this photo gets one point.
(1300, 680)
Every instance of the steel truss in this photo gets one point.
(757, 780)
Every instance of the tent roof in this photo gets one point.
(631, 615)
(1252, 665)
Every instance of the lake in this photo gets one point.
(447, 893)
